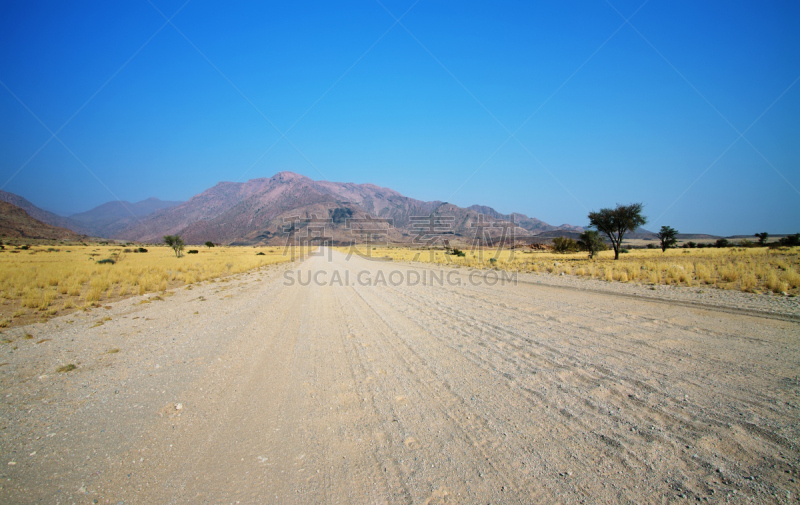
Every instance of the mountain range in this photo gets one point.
(264, 210)
(15, 222)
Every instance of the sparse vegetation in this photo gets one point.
(176, 243)
(36, 285)
(754, 269)
(66, 368)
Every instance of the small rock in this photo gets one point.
(12, 463)
(178, 406)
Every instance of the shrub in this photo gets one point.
(257, 254)
(564, 245)
(722, 242)
(192, 251)
(748, 282)
(774, 284)
(142, 249)
(790, 240)
(590, 241)
(105, 261)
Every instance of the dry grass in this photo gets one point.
(37, 282)
(750, 269)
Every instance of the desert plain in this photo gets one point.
(313, 381)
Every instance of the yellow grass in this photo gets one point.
(44, 282)
(748, 269)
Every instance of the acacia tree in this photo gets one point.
(591, 241)
(615, 223)
(762, 238)
(175, 242)
(667, 237)
(209, 244)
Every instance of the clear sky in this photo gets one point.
(549, 108)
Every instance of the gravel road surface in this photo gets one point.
(381, 382)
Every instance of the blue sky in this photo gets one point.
(601, 111)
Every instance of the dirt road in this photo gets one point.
(265, 390)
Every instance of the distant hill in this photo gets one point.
(15, 222)
(530, 224)
(257, 212)
(696, 236)
(41, 214)
(105, 220)
(110, 218)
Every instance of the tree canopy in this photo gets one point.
(175, 242)
(591, 241)
(615, 223)
(667, 237)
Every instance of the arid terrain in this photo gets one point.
(265, 388)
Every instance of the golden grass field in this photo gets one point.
(49, 280)
(754, 270)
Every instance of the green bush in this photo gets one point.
(790, 240)
(564, 245)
